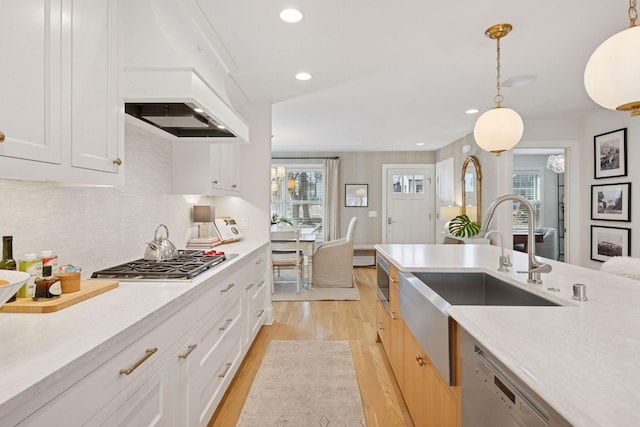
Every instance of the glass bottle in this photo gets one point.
(7, 262)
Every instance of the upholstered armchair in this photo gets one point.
(549, 247)
(333, 261)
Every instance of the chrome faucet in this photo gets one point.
(504, 262)
(535, 267)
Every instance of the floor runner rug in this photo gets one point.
(303, 384)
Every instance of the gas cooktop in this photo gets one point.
(188, 265)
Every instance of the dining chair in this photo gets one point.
(286, 253)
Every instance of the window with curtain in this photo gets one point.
(528, 184)
(297, 193)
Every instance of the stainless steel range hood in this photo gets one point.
(179, 102)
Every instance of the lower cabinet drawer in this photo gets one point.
(217, 367)
(257, 310)
(103, 389)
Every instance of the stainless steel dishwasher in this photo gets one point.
(492, 396)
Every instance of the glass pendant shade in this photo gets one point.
(498, 130)
(611, 75)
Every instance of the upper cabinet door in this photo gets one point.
(30, 42)
(96, 128)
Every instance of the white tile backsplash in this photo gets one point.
(98, 227)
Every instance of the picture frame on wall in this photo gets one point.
(607, 242)
(356, 195)
(610, 154)
(611, 202)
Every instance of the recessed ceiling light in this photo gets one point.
(472, 111)
(198, 110)
(303, 76)
(419, 144)
(291, 16)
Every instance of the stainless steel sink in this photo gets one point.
(478, 289)
(425, 299)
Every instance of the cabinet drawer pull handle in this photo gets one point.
(233, 186)
(117, 162)
(215, 181)
(420, 360)
(229, 286)
(260, 283)
(224, 374)
(148, 353)
(1, 136)
(260, 313)
(250, 286)
(392, 280)
(191, 348)
(222, 328)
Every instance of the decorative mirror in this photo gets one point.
(472, 189)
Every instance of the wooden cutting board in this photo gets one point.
(88, 289)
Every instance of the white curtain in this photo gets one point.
(331, 212)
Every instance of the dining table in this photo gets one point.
(522, 238)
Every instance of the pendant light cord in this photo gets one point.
(498, 98)
(633, 13)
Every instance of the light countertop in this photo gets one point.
(41, 352)
(582, 359)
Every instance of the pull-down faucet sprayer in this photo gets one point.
(535, 267)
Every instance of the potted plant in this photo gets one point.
(277, 219)
(462, 226)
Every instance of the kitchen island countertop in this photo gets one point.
(582, 358)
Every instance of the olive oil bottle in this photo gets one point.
(7, 262)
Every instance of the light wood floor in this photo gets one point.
(354, 321)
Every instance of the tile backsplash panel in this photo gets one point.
(98, 227)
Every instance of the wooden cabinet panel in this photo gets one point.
(396, 353)
(430, 400)
(384, 326)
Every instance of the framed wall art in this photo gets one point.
(610, 154)
(356, 195)
(607, 242)
(611, 202)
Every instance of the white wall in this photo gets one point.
(595, 124)
(98, 227)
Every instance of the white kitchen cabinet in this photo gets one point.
(219, 355)
(30, 42)
(61, 112)
(256, 294)
(180, 367)
(135, 380)
(205, 168)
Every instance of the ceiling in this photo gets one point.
(390, 74)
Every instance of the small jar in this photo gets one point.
(32, 265)
(48, 258)
(48, 286)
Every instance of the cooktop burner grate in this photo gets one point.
(189, 264)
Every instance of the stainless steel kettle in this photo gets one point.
(161, 248)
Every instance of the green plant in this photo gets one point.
(277, 219)
(462, 226)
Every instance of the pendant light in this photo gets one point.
(500, 128)
(611, 75)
